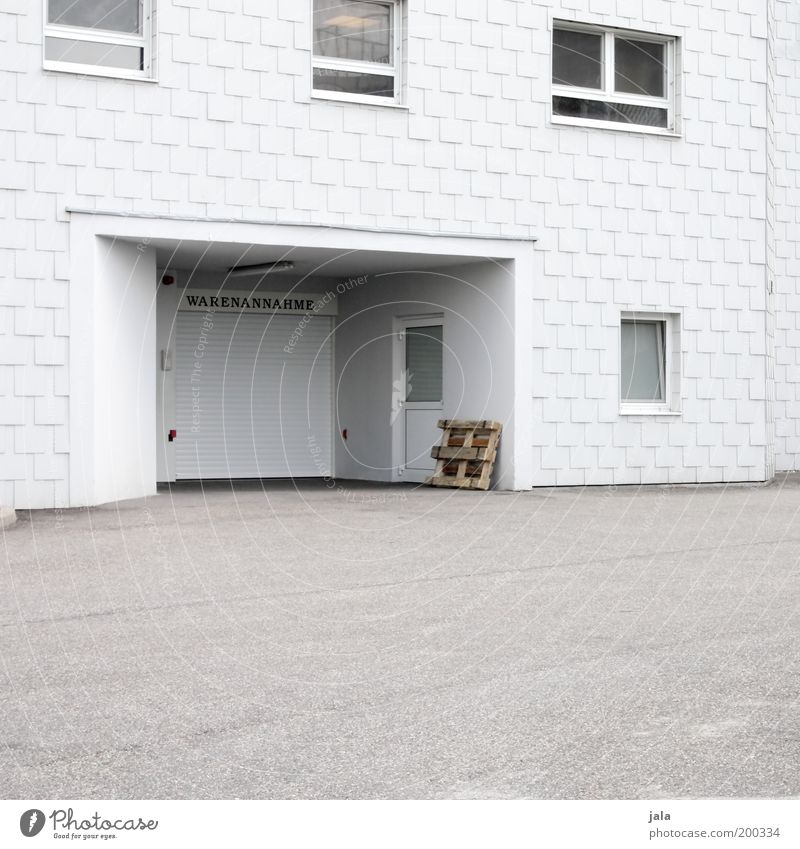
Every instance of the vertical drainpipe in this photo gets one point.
(769, 225)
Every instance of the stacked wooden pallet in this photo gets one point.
(466, 456)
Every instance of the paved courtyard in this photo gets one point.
(367, 641)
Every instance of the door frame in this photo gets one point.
(397, 412)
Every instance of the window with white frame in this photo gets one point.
(613, 76)
(649, 362)
(643, 361)
(98, 36)
(357, 49)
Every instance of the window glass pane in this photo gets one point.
(94, 53)
(623, 113)
(639, 67)
(353, 30)
(424, 363)
(115, 15)
(642, 360)
(577, 58)
(351, 82)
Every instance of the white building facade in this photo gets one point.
(578, 218)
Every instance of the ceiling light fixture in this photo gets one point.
(260, 269)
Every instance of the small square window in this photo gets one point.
(98, 36)
(612, 76)
(356, 49)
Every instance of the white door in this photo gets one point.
(421, 341)
(251, 400)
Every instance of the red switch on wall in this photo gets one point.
(172, 434)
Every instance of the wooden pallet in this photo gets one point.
(466, 456)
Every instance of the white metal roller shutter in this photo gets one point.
(247, 408)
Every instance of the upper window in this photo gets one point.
(356, 49)
(98, 36)
(612, 76)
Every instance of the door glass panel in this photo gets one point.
(424, 363)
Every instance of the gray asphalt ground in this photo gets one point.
(396, 642)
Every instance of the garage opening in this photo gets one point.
(341, 365)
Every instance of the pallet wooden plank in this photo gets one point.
(456, 482)
(440, 464)
(462, 464)
(486, 471)
(453, 452)
(464, 424)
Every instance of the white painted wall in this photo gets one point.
(167, 299)
(477, 302)
(112, 349)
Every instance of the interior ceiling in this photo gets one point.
(315, 262)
